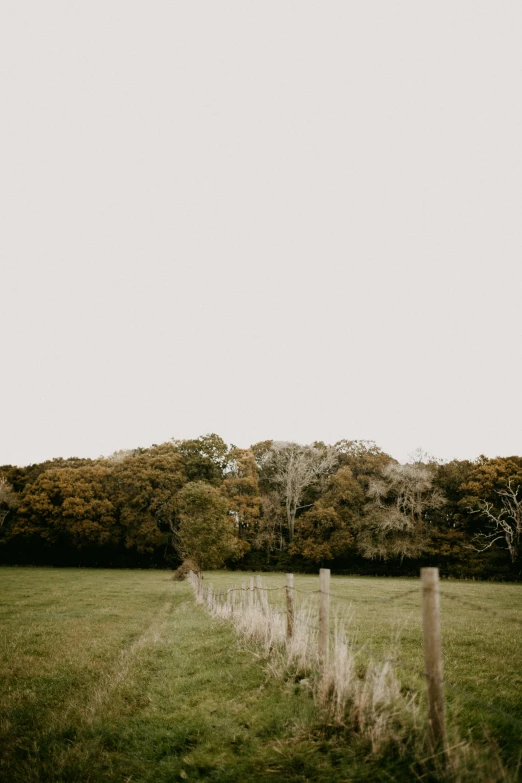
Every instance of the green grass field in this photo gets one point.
(119, 676)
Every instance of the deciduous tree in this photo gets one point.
(321, 535)
(69, 505)
(144, 489)
(8, 499)
(326, 531)
(492, 497)
(292, 468)
(504, 521)
(393, 524)
(204, 458)
(206, 531)
(241, 487)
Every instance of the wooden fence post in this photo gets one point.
(259, 591)
(324, 615)
(243, 596)
(433, 653)
(289, 606)
(211, 597)
(251, 592)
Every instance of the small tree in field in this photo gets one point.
(206, 532)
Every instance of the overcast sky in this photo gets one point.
(290, 220)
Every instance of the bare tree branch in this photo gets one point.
(293, 468)
(506, 521)
(393, 524)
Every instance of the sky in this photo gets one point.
(288, 220)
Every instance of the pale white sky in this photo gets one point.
(291, 220)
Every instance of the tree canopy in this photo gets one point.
(274, 505)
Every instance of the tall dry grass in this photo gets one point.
(363, 695)
(354, 691)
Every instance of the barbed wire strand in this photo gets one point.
(355, 600)
(390, 599)
(457, 689)
(479, 608)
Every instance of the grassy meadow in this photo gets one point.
(117, 675)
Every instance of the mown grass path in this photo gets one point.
(119, 676)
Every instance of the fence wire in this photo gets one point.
(472, 605)
(458, 690)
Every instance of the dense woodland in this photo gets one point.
(277, 505)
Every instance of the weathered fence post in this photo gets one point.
(433, 653)
(259, 591)
(324, 615)
(229, 599)
(289, 606)
(211, 597)
(243, 596)
(251, 592)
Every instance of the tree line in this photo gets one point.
(278, 505)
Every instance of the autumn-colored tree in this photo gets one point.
(241, 487)
(326, 531)
(364, 458)
(316, 503)
(488, 476)
(20, 478)
(69, 505)
(144, 490)
(448, 538)
(204, 458)
(493, 498)
(345, 494)
(270, 527)
(8, 499)
(260, 451)
(321, 535)
(206, 532)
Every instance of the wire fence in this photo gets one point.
(232, 601)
